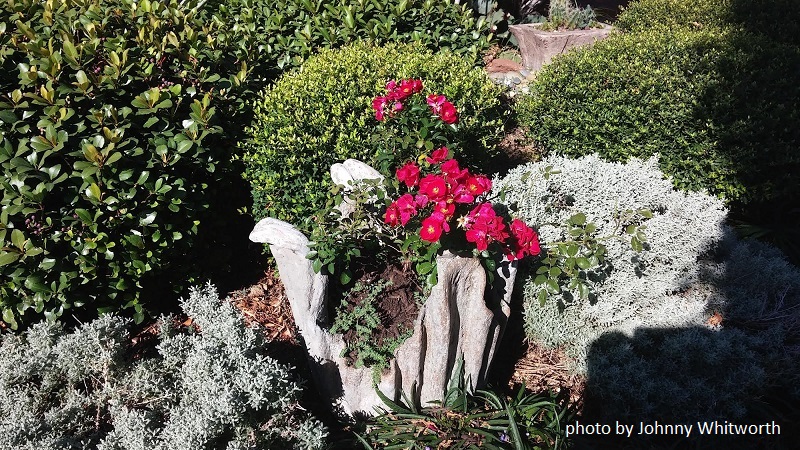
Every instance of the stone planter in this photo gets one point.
(538, 47)
(454, 322)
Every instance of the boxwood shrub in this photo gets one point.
(111, 119)
(777, 19)
(717, 103)
(321, 114)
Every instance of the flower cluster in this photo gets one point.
(439, 193)
(390, 104)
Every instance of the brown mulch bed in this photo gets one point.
(519, 147)
(266, 304)
(542, 369)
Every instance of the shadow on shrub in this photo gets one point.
(711, 86)
(684, 376)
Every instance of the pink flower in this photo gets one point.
(435, 102)
(417, 85)
(407, 88)
(379, 105)
(484, 226)
(438, 155)
(452, 172)
(462, 195)
(406, 207)
(408, 174)
(477, 185)
(527, 241)
(446, 209)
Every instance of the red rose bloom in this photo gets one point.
(527, 241)
(406, 207)
(431, 229)
(452, 172)
(434, 187)
(478, 185)
(408, 174)
(448, 113)
(435, 102)
(446, 209)
(392, 215)
(438, 155)
(406, 89)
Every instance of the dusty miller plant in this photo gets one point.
(694, 304)
(209, 389)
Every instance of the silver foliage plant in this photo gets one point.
(647, 338)
(211, 389)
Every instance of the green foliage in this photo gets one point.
(641, 15)
(484, 420)
(292, 30)
(111, 114)
(184, 390)
(364, 319)
(714, 103)
(321, 115)
(337, 240)
(566, 15)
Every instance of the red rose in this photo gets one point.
(392, 215)
(448, 113)
(438, 155)
(434, 187)
(379, 105)
(446, 209)
(452, 172)
(527, 241)
(406, 207)
(462, 195)
(406, 89)
(478, 185)
(431, 229)
(408, 174)
(435, 102)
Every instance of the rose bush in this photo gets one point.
(432, 203)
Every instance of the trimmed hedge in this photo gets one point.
(322, 114)
(718, 105)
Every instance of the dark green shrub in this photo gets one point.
(293, 29)
(715, 103)
(646, 14)
(322, 114)
(110, 120)
(777, 19)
